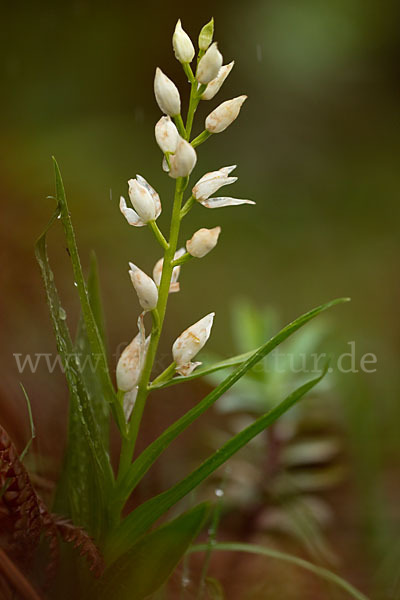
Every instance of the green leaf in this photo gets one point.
(139, 520)
(89, 363)
(288, 558)
(81, 406)
(263, 350)
(152, 559)
(92, 330)
(234, 361)
(78, 494)
(144, 461)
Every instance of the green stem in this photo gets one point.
(189, 73)
(128, 446)
(158, 235)
(204, 135)
(180, 126)
(167, 374)
(193, 104)
(182, 260)
(187, 206)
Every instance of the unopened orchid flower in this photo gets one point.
(167, 135)
(157, 272)
(130, 367)
(145, 287)
(215, 85)
(203, 241)
(131, 361)
(145, 201)
(167, 94)
(189, 343)
(211, 183)
(183, 161)
(220, 118)
(182, 44)
(209, 65)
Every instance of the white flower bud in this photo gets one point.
(129, 365)
(220, 118)
(215, 85)
(167, 94)
(213, 181)
(131, 361)
(157, 272)
(145, 200)
(183, 161)
(129, 402)
(167, 135)
(203, 241)
(182, 44)
(145, 288)
(209, 65)
(189, 343)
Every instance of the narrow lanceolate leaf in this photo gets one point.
(94, 337)
(135, 524)
(82, 409)
(246, 362)
(89, 362)
(234, 361)
(151, 560)
(78, 494)
(241, 359)
(320, 572)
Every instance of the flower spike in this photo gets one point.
(190, 342)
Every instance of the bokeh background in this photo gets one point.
(317, 148)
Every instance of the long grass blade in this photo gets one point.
(288, 558)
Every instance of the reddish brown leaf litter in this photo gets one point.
(20, 500)
(27, 518)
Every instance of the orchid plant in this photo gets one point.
(139, 559)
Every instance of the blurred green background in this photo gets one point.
(317, 147)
